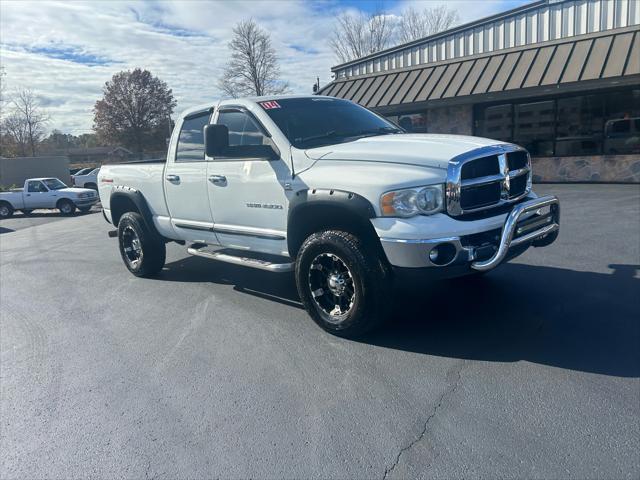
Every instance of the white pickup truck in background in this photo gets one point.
(46, 193)
(331, 190)
(87, 180)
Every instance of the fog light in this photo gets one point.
(443, 254)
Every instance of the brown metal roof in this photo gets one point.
(597, 56)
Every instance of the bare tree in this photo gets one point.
(28, 115)
(15, 136)
(415, 24)
(3, 88)
(5, 138)
(253, 68)
(358, 34)
(23, 122)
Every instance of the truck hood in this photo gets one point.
(425, 150)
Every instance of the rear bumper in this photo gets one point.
(524, 226)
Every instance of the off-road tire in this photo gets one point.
(6, 210)
(369, 276)
(152, 246)
(66, 207)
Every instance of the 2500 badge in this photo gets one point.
(269, 206)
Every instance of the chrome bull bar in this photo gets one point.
(506, 238)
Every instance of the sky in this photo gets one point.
(66, 51)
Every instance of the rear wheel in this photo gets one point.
(6, 210)
(142, 251)
(66, 207)
(343, 285)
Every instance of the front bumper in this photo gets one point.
(524, 226)
(86, 202)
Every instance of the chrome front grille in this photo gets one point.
(486, 178)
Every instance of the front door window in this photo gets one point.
(36, 186)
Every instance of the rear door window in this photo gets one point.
(191, 139)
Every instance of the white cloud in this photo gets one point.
(469, 10)
(65, 51)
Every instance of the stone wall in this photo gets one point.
(455, 120)
(597, 168)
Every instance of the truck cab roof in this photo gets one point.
(238, 101)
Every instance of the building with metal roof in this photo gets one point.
(561, 78)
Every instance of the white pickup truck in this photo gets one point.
(329, 189)
(46, 193)
(87, 180)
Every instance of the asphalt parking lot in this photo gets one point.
(212, 370)
(20, 221)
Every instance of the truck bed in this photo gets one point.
(14, 197)
(145, 176)
(152, 160)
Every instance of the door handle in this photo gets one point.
(218, 179)
(173, 178)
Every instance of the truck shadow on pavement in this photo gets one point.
(278, 287)
(581, 321)
(51, 213)
(568, 319)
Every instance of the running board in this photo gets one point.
(225, 256)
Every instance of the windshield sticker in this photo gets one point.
(270, 105)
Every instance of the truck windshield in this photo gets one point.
(53, 184)
(319, 121)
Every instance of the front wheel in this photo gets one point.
(66, 207)
(142, 251)
(343, 285)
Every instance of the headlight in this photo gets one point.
(413, 201)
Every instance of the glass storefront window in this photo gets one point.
(607, 122)
(497, 122)
(622, 136)
(534, 127)
(580, 126)
(622, 128)
(411, 122)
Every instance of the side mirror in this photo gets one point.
(216, 140)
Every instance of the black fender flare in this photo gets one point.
(353, 202)
(354, 207)
(130, 195)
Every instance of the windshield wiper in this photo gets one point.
(377, 131)
(329, 134)
(359, 134)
